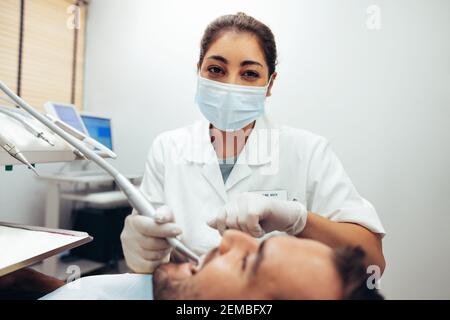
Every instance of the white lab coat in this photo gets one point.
(182, 171)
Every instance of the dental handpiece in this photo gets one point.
(177, 244)
(144, 207)
(14, 152)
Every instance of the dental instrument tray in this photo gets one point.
(22, 246)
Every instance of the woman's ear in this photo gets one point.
(269, 89)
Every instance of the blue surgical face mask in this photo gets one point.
(230, 107)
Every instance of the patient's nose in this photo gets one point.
(237, 240)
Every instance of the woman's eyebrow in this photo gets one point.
(243, 63)
(250, 62)
(220, 58)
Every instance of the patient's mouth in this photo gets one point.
(184, 270)
(205, 259)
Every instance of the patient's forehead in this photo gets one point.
(286, 244)
(286, 253)
(298, 264)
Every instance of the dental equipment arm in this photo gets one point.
(31, 128)
(135, 197)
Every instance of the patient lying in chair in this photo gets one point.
(241, 267)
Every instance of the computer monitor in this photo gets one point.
(99, 128)
(67, 113)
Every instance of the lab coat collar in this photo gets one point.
(260, 148)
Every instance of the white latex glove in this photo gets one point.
(143, 242)
(256, 215)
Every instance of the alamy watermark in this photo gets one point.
(373, 21)
(373, 281)
(74, 273)
(74, 19)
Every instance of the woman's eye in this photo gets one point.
(215, 70)
(250, 74)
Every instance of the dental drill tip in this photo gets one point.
(184, 249)
(188, 253)
(19, 156)
(200, 264)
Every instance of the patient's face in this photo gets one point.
(242, 268)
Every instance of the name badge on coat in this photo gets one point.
(274, 194)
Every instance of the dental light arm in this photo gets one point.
(135, 197)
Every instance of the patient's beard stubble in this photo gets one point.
(165, 288)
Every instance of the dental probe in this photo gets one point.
(135, 197)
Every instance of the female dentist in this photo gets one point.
(236, 169)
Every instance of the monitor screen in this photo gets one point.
(99, 129)
(68, 114)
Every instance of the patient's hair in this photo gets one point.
(350, 265)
